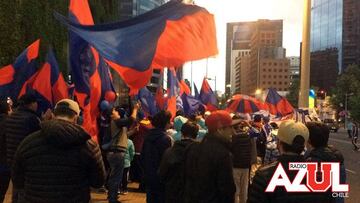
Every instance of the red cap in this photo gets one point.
(219, 119)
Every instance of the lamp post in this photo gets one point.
(305, 57)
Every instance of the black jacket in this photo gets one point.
(263, 176)
(155, 145)
(18, 125)
(328, 154)
(58, 164)
(241, 150)
(172, 171)
(209, 175)
(3, 165)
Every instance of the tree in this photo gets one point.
(293, 96)
(348, 85)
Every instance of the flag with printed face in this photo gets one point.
(167, 36)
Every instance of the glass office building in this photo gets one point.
(327, 27)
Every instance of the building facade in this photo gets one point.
(335, 32)
(267, 65)
(294, 67)
(238, 38)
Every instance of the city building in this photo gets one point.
(266, 66)
(238, 38)
(335, 32)
(294, 67)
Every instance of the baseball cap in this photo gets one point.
(288, 130)
(70, 104)
(220, 119)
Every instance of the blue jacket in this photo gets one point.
(129, 155)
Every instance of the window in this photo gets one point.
(269, 76)
(286, 71)
(275, 64)
(285, 83)
(280, 89)
(275, 76)
(280, 76)
(285, 76)
(280, 70)
(269, 70)
(263, 82)
(285, 89)
(274, 82)
(269, 83)
(264, 64)
(269, 63)
(264, 69)
(275, 70)
(280, 83)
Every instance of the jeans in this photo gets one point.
(241, 179)
(116, 162)
(125, 179)
(4, 184)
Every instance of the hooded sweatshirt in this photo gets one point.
(155, 145)
(59, 163)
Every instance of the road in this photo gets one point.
(352, 163)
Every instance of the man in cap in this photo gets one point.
(208, 168)
(21, 123)
(60, 162)
(292, 139)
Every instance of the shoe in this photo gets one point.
(125, 192)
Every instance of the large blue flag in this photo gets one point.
(14, 76)
(167, 36)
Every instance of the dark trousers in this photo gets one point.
(4, 184)
(349, 133)
(137, 172)
(125, 179)
(116, 162)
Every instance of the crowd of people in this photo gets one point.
(205, 157)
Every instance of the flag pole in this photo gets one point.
(191, 76)
(207, 63)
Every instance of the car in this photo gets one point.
(332, 124)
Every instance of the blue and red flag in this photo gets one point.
(167, 36)
(191, 105)
(14, 76)
(196, 91)
(49, 82)
(89, 71)
(184, 88)
(160, 99)
(208, 97)
(173, 90)
(278, 105)
(148, 103)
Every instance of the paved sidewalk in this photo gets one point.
(132, 196)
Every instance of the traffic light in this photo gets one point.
(321, 94)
